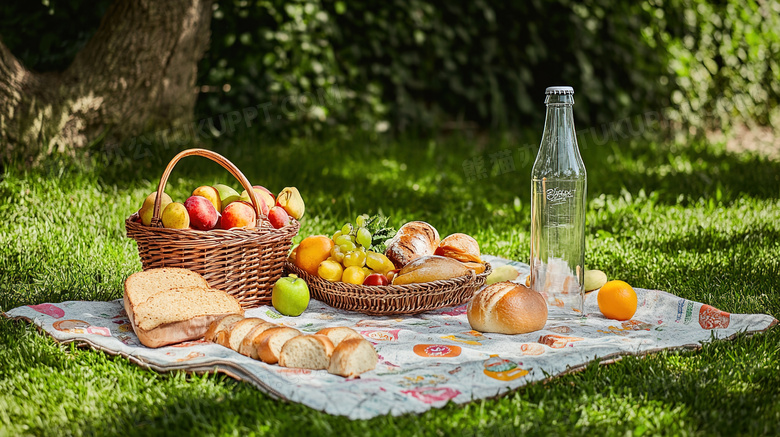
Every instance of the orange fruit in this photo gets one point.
(312, 251)
(617, 300)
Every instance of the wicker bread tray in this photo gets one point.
(243, 262)
(393, 299)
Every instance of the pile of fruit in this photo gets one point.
(221, 207)
(368, 252)
(352, 255)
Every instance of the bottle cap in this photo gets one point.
(559, 90)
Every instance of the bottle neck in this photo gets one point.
(559, 155)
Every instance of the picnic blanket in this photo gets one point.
(425, 361)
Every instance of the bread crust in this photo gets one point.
(461, 247)
(413, 240)
(176, 332)
(507, 308)
(262, 343)
(247, 347)
(345, 358)
(430, 268)
(337, 334)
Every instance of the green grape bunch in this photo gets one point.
(366, 234)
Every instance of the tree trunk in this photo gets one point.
(136, 73)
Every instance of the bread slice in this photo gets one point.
(269, 344)
(220, 328)
(141, 286)
(352, 357)
(339, 334)
(181, 314)
(248, 347)
(239, 331)
(307, 352)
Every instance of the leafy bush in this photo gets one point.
(309, 65)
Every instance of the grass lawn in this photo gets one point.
(690, 219)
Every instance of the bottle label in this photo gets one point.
(557, 195)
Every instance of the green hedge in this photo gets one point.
(424, 64)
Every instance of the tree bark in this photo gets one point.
(136, 73)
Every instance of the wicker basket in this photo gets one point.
(243, 262)
(393, 299)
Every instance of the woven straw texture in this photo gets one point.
(393, 299)
(243, 262)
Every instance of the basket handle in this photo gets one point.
(219, 159)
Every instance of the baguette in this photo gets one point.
(269, 344)
(307, 352)
(248, 347)
(352, 357)
(239, 331)
(221, 327)
(338, 334)
(430, 268)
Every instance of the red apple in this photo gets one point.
(239, 215)
(203, 215)
(278, 217)
(376, 279)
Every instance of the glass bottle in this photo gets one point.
(558, 188)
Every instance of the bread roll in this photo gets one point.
(430, 268)
(507, 308)
(461, 247)
(338, 334)
(222, 326)
(248, 347)
(352, 357)
(180, 314)
(477, 267)
(413, 240)
(307, 352)
(269, 343)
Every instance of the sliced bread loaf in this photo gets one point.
(180, 314)
(248, 347)
(352, 357)
(339, 333)
(239, 331)
(269, 344)
(306, 352)
(143, 285)
(220, 328)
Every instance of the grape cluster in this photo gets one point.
(351, 259)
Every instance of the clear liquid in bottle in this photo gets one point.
(558, 195)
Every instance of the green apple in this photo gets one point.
(290, 296)
(226, 195)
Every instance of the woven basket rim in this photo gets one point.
(441, 286)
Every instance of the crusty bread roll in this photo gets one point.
(338, 334)
(180, 314)
(413, 240)
(307, 352)
(507, 308)
(269, 344)
(461, 247)
(248, 347)
(239, 331)
(430, 268)
(352, 357)
(221, 327)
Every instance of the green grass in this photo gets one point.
(691, 219)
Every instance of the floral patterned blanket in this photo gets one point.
(425, 361)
